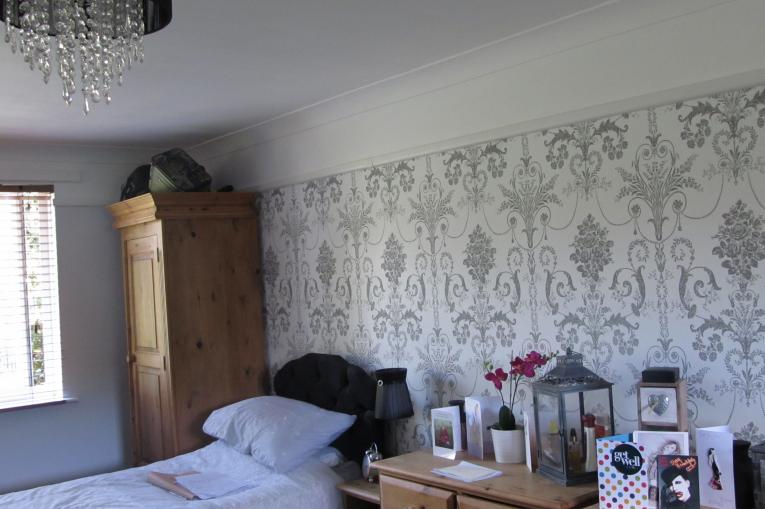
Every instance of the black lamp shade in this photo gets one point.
(392, 400)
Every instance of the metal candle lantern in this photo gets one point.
(572, 406)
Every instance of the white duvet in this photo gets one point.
(310, 486)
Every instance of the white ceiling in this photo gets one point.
(224, 65)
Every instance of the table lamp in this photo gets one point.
(392, 400)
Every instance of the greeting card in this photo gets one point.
(714, 447)
(656, 443)
(446, 431)
(530, 435)
(622, 475)
(480, 413)
(678, 481)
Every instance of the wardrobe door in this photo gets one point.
(147, 347)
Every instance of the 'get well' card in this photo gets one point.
(622, 475)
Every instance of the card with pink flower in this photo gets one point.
(446, 431)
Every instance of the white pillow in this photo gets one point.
(278, 432)
(329, 456)
(219, 425)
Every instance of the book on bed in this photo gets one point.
(168, 482)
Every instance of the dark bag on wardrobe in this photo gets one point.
(137, 183)
(175, 170)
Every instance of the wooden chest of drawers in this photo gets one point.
(406, 482)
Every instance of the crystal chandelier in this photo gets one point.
(105, 37)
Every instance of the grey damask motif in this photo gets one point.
(327, 320)
(441, 262)
(355, 223)
(276, 290)
(734, 143)
(294, 229)
(592, 249)
(751, 433)
(397, 323)
(656, 179)
(660, 182)
(325, 265)
(320, 194)
(270, 204)
(270, 267)
(483, 324)
(479, 255)
(390, 180)
(741, 240)
(740, 246)
(472, 166)
(394, 260)
(439, 366)
(586, 328)
(529, 196)
(587, 162)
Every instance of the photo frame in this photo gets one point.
(662, 406)
(446, 431)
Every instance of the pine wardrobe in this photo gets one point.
(191, 271)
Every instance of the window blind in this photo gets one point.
(30, 347)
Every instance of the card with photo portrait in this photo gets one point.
(678, 482)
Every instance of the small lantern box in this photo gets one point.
(572, 406)
(662, 401)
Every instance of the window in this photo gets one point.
(30, 349)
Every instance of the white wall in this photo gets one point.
(627, 55)
(89, 435)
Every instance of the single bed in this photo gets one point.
(327, 381)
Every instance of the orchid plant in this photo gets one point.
(519, 368)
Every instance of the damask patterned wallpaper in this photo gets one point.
(636, 239)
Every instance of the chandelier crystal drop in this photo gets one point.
(103, 38)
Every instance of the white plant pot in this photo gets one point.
(509, 446)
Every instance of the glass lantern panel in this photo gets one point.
(598, 404)
(575, 432)
(549, 431)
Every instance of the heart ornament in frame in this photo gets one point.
(658, 403)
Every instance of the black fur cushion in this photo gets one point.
(332, 383)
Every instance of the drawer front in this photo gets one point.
(464, 502)
(399, 494)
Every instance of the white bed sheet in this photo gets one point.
(310, 486)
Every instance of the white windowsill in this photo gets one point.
(34, 403)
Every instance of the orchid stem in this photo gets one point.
(515, 390)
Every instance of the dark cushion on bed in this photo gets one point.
(332, 383)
